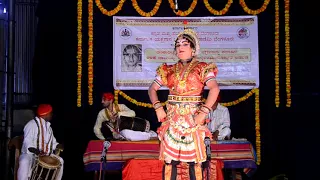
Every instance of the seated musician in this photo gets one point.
(39, 135)
(219, 124)
(108, 122)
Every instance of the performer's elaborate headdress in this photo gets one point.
(191, 35)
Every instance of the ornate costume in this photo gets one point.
(181, 138)
(182, 132)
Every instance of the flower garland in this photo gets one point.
(183, 13)
(79, 52)
(90, 52)
(215, 12)
(254, 12)
(257, 125)
(133, 101)
(243, 98)
(142, 13)
(112, 12)
(287, 47)
(276, 55)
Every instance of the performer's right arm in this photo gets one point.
(160, 80)
(97, 126)
(161, 114)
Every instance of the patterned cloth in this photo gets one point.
(234, 154)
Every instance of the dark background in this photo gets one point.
(55, 80)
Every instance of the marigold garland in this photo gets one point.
(186, 12)
(142, 13)
(215, 12)
(276, 55)
(133, 101)
(257, 125)
(287, 47)
(90, 51)
(254, 12)
(112, 12)
(243, 98)
(79, 52)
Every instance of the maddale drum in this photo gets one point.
(45, 168)
(134, 123)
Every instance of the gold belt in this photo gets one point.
(174, 98)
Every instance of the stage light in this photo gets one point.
(3, 10)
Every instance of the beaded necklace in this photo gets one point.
(182, 81)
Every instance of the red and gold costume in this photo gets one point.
(181, 138)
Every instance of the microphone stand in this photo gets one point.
(106, 146)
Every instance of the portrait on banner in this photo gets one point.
(131, 58)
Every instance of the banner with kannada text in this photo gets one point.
(141, 44)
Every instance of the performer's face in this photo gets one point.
(183, 49)
(48, 117)
(131, 57)
(106, 102)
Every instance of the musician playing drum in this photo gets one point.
(107, 123)
(38, 134)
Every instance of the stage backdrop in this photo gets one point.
(142, 44)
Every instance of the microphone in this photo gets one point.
(207, 142)
(106, 146)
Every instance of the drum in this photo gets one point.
(45, 168)
(134, 123)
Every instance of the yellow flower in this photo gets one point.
(254, 12)
(215, 12)
(183, 13)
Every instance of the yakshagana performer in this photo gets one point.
(182, 131)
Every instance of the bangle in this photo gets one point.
(155, 102)
(205, 106)
(158, 108)
(204, 109)
(157, 105)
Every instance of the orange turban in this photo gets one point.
(44, 109)
(107, 96)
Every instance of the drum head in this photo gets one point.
(49, 161)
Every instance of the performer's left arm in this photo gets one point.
(209, 80)
(125, 111)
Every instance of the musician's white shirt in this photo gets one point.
(124, 111)
(27, 158)
(31, 132)
(220, 120)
